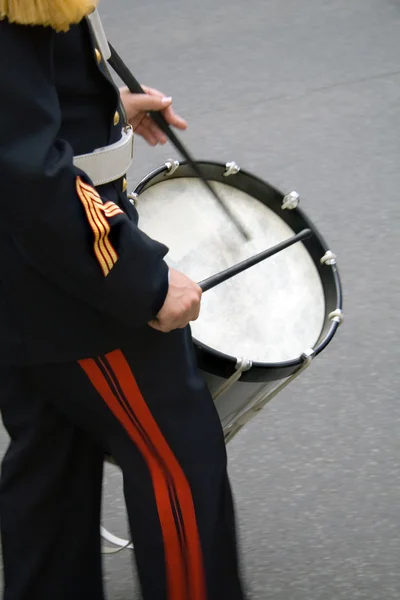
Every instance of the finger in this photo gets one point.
(145, 102)
(197, 307)
(159, 325)
(152, 135)
(147, 135)
(164, 327)
(173, 119)
(194, 315)
(169, 114)
(155, 324)
(151, 140)
(154, 130)
(152, 91)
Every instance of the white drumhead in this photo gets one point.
(274, 311)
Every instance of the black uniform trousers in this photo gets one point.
(149, 408)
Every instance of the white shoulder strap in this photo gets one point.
(98, 30)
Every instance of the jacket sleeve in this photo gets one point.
(64, 229)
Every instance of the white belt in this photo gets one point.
(109, 163)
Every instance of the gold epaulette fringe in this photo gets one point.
(58, 14)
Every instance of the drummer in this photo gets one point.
(95, 350)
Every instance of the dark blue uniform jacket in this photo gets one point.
(77, 276)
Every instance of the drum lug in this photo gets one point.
(291, 201)
(231, 169)
(329, 258)
(337, 316)
(133, 198)
(242, 365)
(172, 166)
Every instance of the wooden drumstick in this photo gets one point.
(218, 278)
(134, 86)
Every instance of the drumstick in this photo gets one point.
(214, 280)
(134, 86)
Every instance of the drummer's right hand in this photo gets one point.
(182, 303)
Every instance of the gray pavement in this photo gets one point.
(307, 96)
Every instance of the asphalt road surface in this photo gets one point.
(307, 96)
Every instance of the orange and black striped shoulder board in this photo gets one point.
(96, 213)
(58, 14)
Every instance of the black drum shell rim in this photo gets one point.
(223, 365)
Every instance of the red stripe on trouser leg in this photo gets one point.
(114, 384)
(173, 554)
(124, 375)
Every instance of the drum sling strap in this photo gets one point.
(133, 85)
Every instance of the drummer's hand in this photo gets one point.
(138, 105)
(182, 303)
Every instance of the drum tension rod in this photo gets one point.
(214, 280)
(134, 87)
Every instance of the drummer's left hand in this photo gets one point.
(138, 105)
